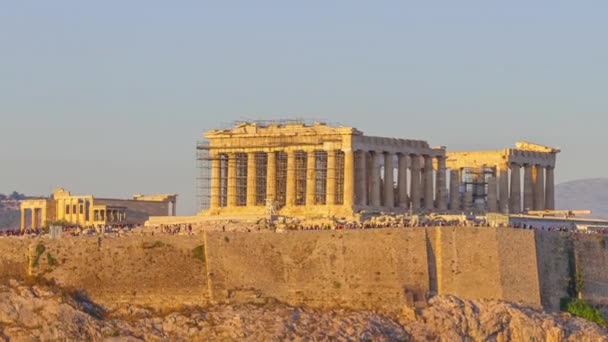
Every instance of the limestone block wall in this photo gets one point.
(591, 252)
(138, 211)
(381, 269)
(553, 252)
(150, 270)
(485, 263)
(517, 257)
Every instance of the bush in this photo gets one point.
(582, 309)
(50, 260)
(199, 253)
(150, 245)
(39, 250)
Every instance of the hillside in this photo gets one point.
(584, 194)
(55, 314)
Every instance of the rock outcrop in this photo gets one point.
(29, 313)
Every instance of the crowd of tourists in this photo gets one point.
(73, 230)
(186, 229)
(174, 229)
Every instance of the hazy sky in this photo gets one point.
(110, 97)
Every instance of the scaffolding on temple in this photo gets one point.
(234, 169)
(476, 187)
(203, 180)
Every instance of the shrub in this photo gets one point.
(39, 250)
(150, 245)
(50, 260)
(199, 253)
(582, 309)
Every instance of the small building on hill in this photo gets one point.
(88, 210)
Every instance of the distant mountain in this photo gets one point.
(584, 194)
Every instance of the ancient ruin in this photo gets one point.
(490, 181)
(294, 168)
(88, 210)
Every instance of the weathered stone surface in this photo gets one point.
(32, 314)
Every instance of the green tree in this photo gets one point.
(16, 196)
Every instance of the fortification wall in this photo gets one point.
(553, 253)
(591, 252)
(467, 262)
(159, 271)
(380, 269)
(517, 257)
(485, 263)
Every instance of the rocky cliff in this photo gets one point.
(29, 313)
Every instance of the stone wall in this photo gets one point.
(138, 211)
(382, 269)
(150, 270)
(591, 253)
(361, 269)
(487, 263)
(553, 251)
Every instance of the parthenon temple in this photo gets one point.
(293, 168)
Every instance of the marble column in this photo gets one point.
(330, 198)
(539, 187)
(528, 188)
(231, 179)
(550, 189)
(454, 190)
(22, 223)
(34, 218)
(492, 195)
(503, 188)
(389, 189)
(349, 178)
(43, 220)
(271, 177)
(290, 193)
(415, 184)
(375, 180)
(311, 178)
(428, 183)
(362, 180)
(402, 181)
(441, 186)
(515, 194)
(252, 180)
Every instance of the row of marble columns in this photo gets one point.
(109, 215)
(539, 188)
(346, 179)
(371, 183)
(38, 216)
(376, 188)
(504, 189)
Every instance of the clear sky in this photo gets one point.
(110, 97)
